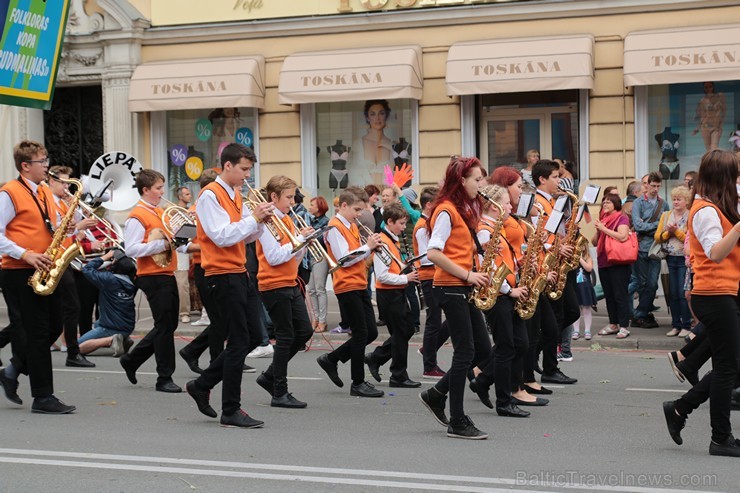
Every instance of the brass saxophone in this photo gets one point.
(532, 278)
(45, 282)
(484, 298)
(568, 263)
(408, 253)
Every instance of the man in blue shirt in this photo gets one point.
(646, 213)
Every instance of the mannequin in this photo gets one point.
(401, 155)
(668, 143)
(338, 175)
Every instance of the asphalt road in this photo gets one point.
(606, 433)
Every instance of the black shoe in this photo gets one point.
(128, 367)
(287, 400)
(512, 411)
(240, 419)
(417, 329)
(201, 398)
(435, 402)
(644, 323)
(728, 448)
(266, 383)
(373, 367)
(558, 377)
(191, 362)
(673, 360)
(538, 369)
(691, 375)
(405, 384)
(533, 391)
(79, 361)
(330, 369)
(735, 399)
(248, 369)
(538, 402)
(380, 322)
(480, 386)
(51, 405)
(464, 428)
(10, 386)
(168, 387)
(675, 422)
(365, 389)
(127, 344)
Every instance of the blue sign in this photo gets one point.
(30, 45)
(245, 136)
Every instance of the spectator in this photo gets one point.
(116, 302)
(671, 233)
(533, 155)
(646, 213)
(688, 179)
(633, 192)
(319, 272)
(614, 277)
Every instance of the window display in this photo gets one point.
(356, 140)
(195, 139)
(685, 121)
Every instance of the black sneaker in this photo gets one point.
(373, 367)
(240, 419)
(435, 402)
(190, 361)
(330, 369)
(365, 389)
(288, 401)
(248, 369)
(266, 383)
(51, 405)
(10, 386)
(673, 360)
(675, 422)
(645, 323)
(728, 448)
(202, 399)
(79, 361)
(464, 428)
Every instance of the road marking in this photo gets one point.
(629, 389)
(110, 372)
(331, 475)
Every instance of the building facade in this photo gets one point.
(330, 92)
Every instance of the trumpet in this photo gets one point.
(382, 251)
(318, 253)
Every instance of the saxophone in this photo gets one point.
(532, 278)
(568, 263)
(484, 298)
(45, 282)
(408, 253)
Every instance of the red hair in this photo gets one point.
(452, 190)
(321, 205)
(504, 176)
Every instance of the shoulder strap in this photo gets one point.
(658, 210)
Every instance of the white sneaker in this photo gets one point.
(203, 320)
(261, 352)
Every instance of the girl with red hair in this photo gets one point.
(452, 249)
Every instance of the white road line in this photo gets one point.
(630, 389)
(112, 372)
(301, 469)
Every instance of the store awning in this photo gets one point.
(351, 75)
(521, 65)
(687, 54)
(198, 84)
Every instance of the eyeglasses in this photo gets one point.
(40, 161)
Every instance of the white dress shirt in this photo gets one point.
(382, 271)
(339, 246)
(707, 227)
(440, 232)
(7, 214)
(422, 240)
(275, 253)
(217, 224)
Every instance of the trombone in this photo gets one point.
(318, 253)
(382, 250)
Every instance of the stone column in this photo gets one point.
(119, 131)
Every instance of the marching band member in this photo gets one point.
(452, 249)
(281, 295)
(224, 225)
(350, 286)
(155, 280)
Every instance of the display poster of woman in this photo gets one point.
(375, 148)
(710, 115)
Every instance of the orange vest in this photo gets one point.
(216, 260)
(712, 278)
(426, 272)
(27, 228)
(151, 219)
(393, 268)
(63, 208)
(460, 247)
(514, 234)
(271, 277)
(547, 206)
(195, 255)
(354, 277)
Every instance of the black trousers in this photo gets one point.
(544, 325)
(161, 293)
(231, 294)
(510, 347)
(435, 332)
(414, 305)
(697, 352)
(31, 338)
(399, 320)
(566, 308)
(615, 280)
(358, 312)
(721, 316)
(70, 318)
(87, 294)
(212, 337)
(289, 315)
(470, 343)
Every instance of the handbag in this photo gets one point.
(656, 251)
(621, 252)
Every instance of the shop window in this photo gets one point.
(355, 141)
(687, 120)
(195, 139)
